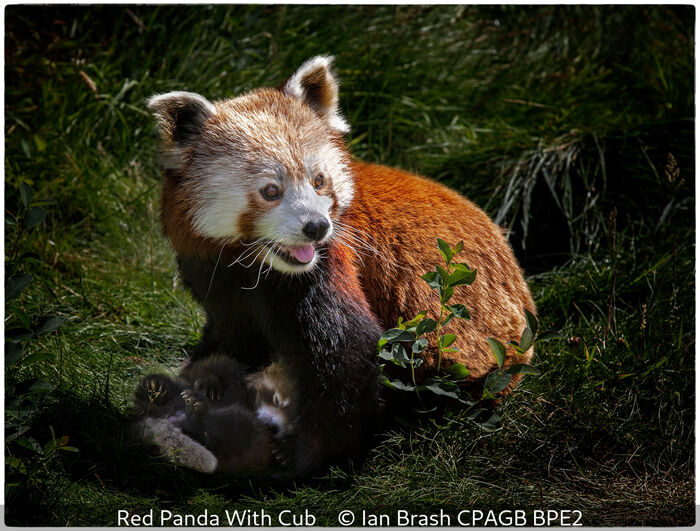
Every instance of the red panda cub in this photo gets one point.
(214, 418)
(303, 255)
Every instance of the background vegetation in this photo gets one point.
(572, 126)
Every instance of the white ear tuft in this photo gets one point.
(180, 115)
(315, 84)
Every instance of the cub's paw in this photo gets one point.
(210, 386)
(195, 402)
(155, 389)
(282, 450)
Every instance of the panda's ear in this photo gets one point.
(315, 84)
(180, 116)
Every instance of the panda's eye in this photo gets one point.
(271, 192)
(318, 181)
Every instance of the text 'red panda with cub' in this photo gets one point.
(301, 254)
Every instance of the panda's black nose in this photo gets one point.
(316, 229)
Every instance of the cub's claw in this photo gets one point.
(155, 390)
(211, 388)
(283, 451)
(193, 400)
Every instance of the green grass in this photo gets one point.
(548, 117)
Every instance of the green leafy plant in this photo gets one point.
(416, 332)
(25, 457)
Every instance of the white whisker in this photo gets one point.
(262, 263)
(211, 280)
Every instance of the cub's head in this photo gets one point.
(268, 169)
(275, 398)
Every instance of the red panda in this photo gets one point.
(300, 253)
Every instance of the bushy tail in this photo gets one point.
(174, 445)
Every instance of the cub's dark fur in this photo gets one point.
(211, 404)
(318, 327)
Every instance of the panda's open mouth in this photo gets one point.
(296, 254)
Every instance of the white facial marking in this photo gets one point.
(272, 417)
(299, 205)
(329, 161)
(222, 196)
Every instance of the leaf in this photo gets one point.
(419, 345)
(26, 148)
(399, 353)
(416, 362)
(19, 431)
(460, 310)
(18, 334)
(399, 385)
(445, 250)
(15, 285)
(447, 340)
(51, 324)
(34, 217)
(459, 247)
(516, 346)
(386, 355)
(474, 413)
(432, 279)
(497, 381)
(526, 339)
(436, 387)
(523, 368)
(30, 443)
(16, 464)
(424, 411)
(549, 336)
(426, 326)
(49, 447)
(445, 294)
(29, 257)
(389, 356)
(458, 371)
(499, 351)
(466, 269)
(13, 352)
(492, 423)
(41, 387)
(413, 322)
(395, 334)
(40, 143)
(10, 220)
(460, 277)
(531, 322)
(20, 314)
(69, 449)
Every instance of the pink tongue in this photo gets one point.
(303, 253)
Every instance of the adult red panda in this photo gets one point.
(284, 238)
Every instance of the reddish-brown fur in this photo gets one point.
(399, 214)
(404, 214)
